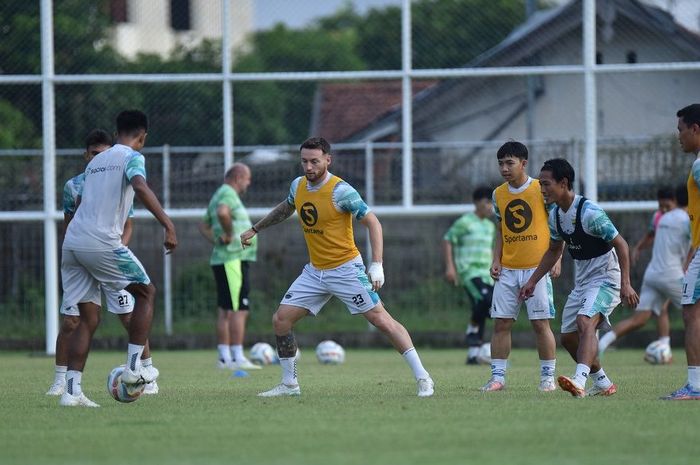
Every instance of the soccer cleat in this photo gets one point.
(472, 361)
(246, 364)
(684, 393)
(599, 391)
(57, 388)
(151, 388)
(69, 400)
(568, 385)
(282, 390)
(226, 365)
(493, 385)
(142, 375)
(547, 385)
(426, 387)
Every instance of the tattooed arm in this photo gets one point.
(278, 214)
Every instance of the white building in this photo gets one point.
(158, 26)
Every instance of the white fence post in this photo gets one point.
(167, 258)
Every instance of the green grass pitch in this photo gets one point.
(362, 412)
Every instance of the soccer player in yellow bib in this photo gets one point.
(689, 138)
(522, 237)
(326, 206)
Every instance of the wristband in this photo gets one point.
(254, 230)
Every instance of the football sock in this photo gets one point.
(606, 340)
(60, 374)
(547, 368)
(134, 356)
(73, 380)
(581, 375)
(472, 352)
(600, 379)
(694, 377)
(471, 329)
(237, 352)
(224, 353)
(289, 371)
(665, 340)
(146, 362)
(498, 369)
(413, 360)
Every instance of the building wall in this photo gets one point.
(148, 28)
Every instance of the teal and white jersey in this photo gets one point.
(472, 242)
(671, 244)
(345, 197)
(106, 200)
(74, 189)
(71, 191)
(222, 253)
(596, 223)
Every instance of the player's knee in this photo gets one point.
(69, 324)
(91, 319)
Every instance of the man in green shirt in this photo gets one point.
(225, 219)
(468, 248)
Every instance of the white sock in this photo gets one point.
(133, 357)
(237, 352)
(60, 374)
(472, 352)
(665, 340)
(289, 371)
(547, 368)
(73, 380)
(606, 340)
(694, 377)
(413, 360)
(600, 379)
(146, 362)
(224, 353)
(581, 375)
(498, 369)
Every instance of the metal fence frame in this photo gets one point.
(49, 80)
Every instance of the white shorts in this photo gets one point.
(691, 282)
(118, 302)
(655, 292)
(505, 303)
(84, 274)
(600, 298)
(348, 282)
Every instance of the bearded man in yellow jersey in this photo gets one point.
(689, 138)
(522, 237)
(326, 205)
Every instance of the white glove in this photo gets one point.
(376, 275)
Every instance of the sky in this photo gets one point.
(298, 13)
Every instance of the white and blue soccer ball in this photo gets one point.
(262, 353)
(484, 355)
(658, 353)
(120, 391)
(330, 353)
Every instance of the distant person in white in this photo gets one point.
(663, 278)
(94, 255)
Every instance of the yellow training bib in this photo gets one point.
(524, 227)
(328, 232)
(694, 211)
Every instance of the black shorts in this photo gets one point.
(232, 285)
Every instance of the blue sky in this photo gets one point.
(297, 13)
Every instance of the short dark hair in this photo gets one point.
(130, 122)
(314, 143)
(690, 114)
(560, 169)
(97, 137)
(682, 195)
(666, 193)
(512, 148)
(482, 192)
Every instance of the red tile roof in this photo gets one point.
(342, 109)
